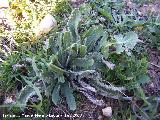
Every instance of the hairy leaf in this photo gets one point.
(92, 36)
(35, 67)
(83, 50)
(105, 13)
(56, 69)
(83, 62)
(68, 93)
(67, 40)
(55, 94)
(126, 43)
(73, 22)
(25, 94)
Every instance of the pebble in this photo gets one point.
(107, 111)
(100, 117)
(4, 4)
(46, 24)
(152, 85)
(9, 100)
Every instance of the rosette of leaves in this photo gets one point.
(71, 61)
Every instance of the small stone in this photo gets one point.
(100, 117)
(4, 4)
(151, 85)
(9, 100)
(47, 23)
(102, 19)
(107, 111)
(1, 21)
(73, 0)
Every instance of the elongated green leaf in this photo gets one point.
(34, 87)
(105, 13)
(25, 94)
(55, 68)
(105, 51)
(83, 62)
(59, 41)
(68, 93)
(73, 22)
(83, 50)
(102, 42)
(67, 40)
(35, 67)
(140, 93)
(53, 43)
(92, 37)
(55, 94)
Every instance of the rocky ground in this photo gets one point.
(153, 87)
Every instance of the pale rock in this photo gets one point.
(100, 117)
(24, 14)
(152, 85)
(4, 4)
(107, 111)
(110, 65)
(1, 21)
(9, 100)
(74, 0)
(46, 24)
